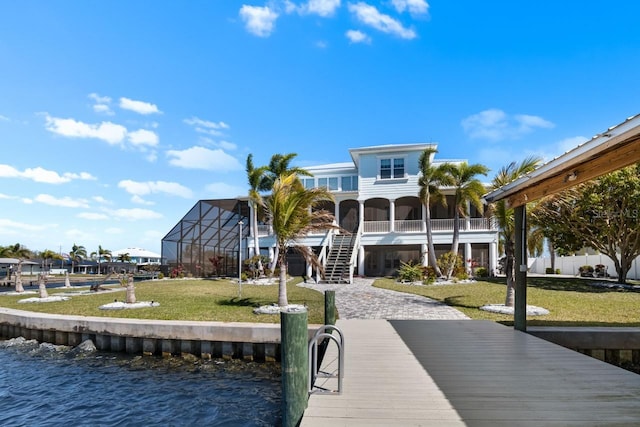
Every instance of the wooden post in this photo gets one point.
(520, 308)
(330, 307)
(295, 366)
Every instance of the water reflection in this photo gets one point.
(46, 385)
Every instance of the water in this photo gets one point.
(45, 385)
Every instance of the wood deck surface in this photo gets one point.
(468, 373)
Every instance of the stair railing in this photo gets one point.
(354, 253)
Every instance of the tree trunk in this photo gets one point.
(42, 286)
(67, 283)
(131, 291)
(282, 286)
(256, 240)
(509, 271)
(433, 261)
(19, 287)
(455, 242)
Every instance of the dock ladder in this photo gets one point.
(314, 370)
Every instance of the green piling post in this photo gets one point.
(295, 366)
(330, 307)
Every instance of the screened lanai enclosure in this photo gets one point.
(206, 241)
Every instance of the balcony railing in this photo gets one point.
(416, 226)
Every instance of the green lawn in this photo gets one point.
(571, 301)
(215, 300)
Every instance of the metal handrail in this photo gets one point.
(313, 358)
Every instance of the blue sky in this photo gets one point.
(117, 116)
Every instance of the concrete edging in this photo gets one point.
(248, 341)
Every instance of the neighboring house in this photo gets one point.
(376, 205)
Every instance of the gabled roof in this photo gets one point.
(389, 148)
(613, 149)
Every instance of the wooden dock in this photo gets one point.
(467, 373)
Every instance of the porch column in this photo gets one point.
(468, 254)
(309, 272)
(392, 216)
(361, 213)
(520, 306)
(493, 258)
(424, 250)
(361, 261)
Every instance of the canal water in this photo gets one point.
(46, 385)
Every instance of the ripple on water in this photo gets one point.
(49, 387)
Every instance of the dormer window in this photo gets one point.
(392, 168)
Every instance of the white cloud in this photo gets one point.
(10, 224)
(93, 216)
(415, 7)
(39, 174)
(154, 187)
(370, 16)
(496, 125)
(222, 190)
(135, 214)
(206, 126)
(324, 8)
(259, 21)
(204, 158)
(226, 145)
(65, 202)
(114, 230)
(139, 107)
(4, 118)
(356, 36)
(140, 201)
(101, 200)
(106, 131)
(143, 137)
(101, 104)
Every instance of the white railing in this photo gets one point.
(409, 226)
(417, 226)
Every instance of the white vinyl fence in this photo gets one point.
(570, 265)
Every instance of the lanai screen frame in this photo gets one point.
(210, 228)
(611, 150)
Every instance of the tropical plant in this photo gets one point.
(410, 272)
(468, 190)
(21, 253)
(430, 181)
(48, 256)
(504, 216)
(602, 214)
(289, 209)
(255, 176)
(124, 257)
(77, 254)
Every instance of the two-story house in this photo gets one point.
(376, 205)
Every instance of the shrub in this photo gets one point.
(409, 272)
(160, 276)
(449, 258)
(428, 275)
(482, 272)
(548, 270)
(586, 270)
(558, 271)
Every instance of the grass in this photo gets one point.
(200, 300)
(571, 301)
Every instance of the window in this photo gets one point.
(392, 168)
(308, 183)
(328, 183)
(349, 183)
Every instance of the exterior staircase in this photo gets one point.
(336, 269)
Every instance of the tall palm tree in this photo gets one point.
(255, 176)
(290, 211)
(124, 257)
(77, 254)
(21, 253)
(49, 255)
(504, 216)
(468, 189)
(430, 181)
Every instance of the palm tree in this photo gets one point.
(468, 189)
(504, 216)
(49, 255)
(278, 166)
(77, 254)
(430, 181)
(290, 211)
(255, 176)
(124, 257)
(102, 253)
(21, 253)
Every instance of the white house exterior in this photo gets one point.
(376, 199)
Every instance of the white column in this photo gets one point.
(392, 215)
(493, 257)
(468, 253)
(336, 213)
(361, 261)
(361, 213)
(424, 249)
